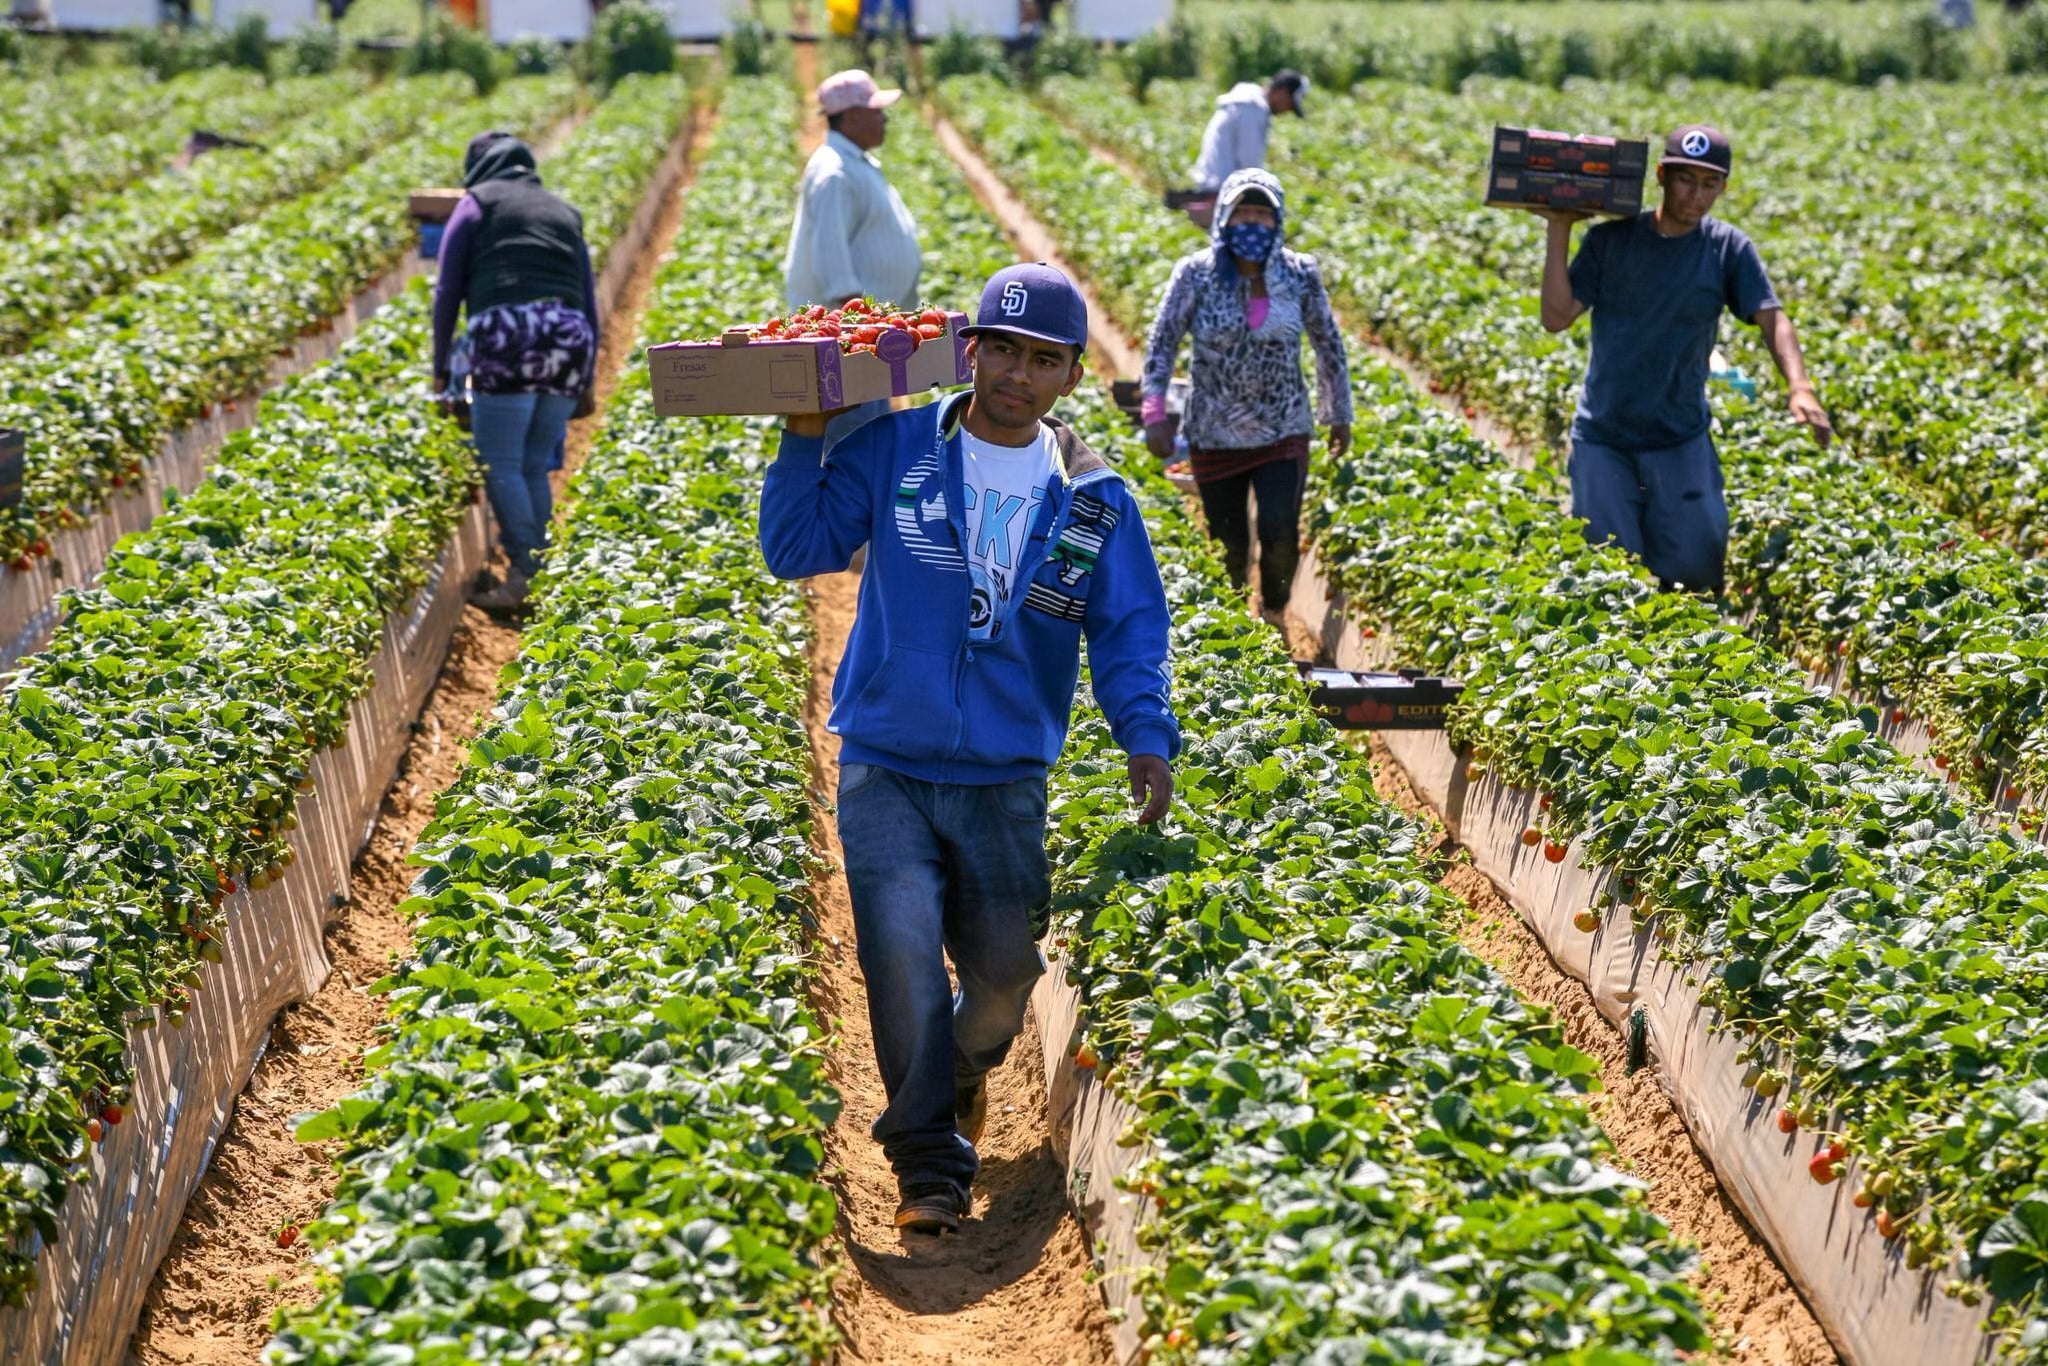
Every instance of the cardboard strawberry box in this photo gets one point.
(752, 370)
(1537, 168)
(434, 206)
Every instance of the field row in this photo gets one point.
(1790, 854)
(156, 749)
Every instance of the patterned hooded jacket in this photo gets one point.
(1247, 388)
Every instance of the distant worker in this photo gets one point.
(513, 258)
(852, 235)
(1644, 471)
(1248, 302)
(1236, 136)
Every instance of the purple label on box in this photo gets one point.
(961, 374)
(831, 382)
(894, 349)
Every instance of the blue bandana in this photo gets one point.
(1250, 241)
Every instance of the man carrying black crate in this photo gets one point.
(997, 542)
(1644, 471)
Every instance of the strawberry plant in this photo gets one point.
(595, 1128)
(154, 752)
(47, 182)
(98, 399)
(54, 271)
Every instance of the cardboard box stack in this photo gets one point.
(1537, 168)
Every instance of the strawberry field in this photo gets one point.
(609, 1106)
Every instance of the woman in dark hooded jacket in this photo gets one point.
(1248, 301)
(514, 259)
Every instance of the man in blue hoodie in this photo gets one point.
(996, 541)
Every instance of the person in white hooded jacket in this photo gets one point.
(1235, 139)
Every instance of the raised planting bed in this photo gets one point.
(300, 597)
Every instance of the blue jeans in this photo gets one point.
(516, 437)
(938, 869)
(1664, 507)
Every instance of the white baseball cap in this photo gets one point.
(844, 90)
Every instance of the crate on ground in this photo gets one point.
(1539, 168)
(1352, 699)
(748, 371)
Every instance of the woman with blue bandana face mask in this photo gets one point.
(1247, 303)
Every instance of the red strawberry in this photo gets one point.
(1788, 1121)
(1554, 851)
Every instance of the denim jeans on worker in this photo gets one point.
(516, 437)
(1665, 507)
(941, 869)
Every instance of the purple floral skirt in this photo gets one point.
(543, 347)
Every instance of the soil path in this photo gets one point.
(1011, 1288)
(1759, 1318)
(225, 1276)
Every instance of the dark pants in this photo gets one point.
(1664, 507)
(936, 870)
(1279, 485)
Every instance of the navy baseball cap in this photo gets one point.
(1698, 144)
(1033, 300)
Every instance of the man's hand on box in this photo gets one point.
(810, 424)
(1561, 218)
(1152, 784)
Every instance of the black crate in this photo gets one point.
(1350, 699)
(1539, 149)
(13, 465)
(1515, 187)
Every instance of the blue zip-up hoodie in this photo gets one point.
(913, 694)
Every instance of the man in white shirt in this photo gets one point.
(852, 235)
(1236, 136)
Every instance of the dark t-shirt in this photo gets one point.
(1656, 304)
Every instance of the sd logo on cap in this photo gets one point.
(1034, 300)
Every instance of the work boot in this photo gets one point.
(505, 599)
(934, 1207)
(970, 1109)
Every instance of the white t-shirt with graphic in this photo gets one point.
(1002, 488)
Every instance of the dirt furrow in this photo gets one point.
(227, 1274)
(1011, 1288)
